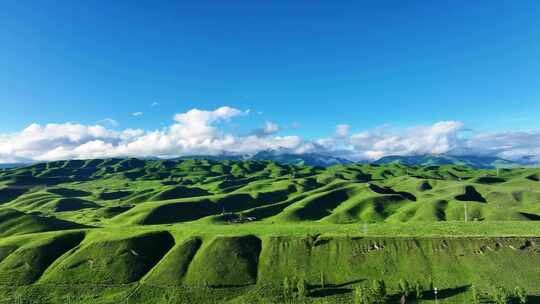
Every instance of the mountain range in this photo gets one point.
(474, 161)
(324, 160)
(278, 156)
(12, 165)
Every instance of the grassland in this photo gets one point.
(201, 231)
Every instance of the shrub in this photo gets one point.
(287, 287)
(171, 296)
(363, 295)
(475, 295)
(418, 289)
(404, 288)
(358, 295)
(521, 295)
(301, 287)
(378, 291)
(501, 295)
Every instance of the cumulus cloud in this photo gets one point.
(59, 141)
(342, 130)
(440, 137)
(136, 114)
(154, 104)
(108, 122)
(200, 132)
(508, 145)
(192, 132)
(269, 128)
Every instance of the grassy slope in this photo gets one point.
(207, 260)
(164, 224)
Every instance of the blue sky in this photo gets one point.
(311, 64)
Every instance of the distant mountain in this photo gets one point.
(530, 161)
(481, 162)
(9, 166)
(279, 156)
(323, 160)
(210, 157)
(307, 159)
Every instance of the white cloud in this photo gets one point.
(342, 130)
(58, 141)
(509, 145)
(193, 132)
(440, 137)
(136, 114)
(108, 122)
(198, 132)
(154, 104)
(270, 127)
(198, 125)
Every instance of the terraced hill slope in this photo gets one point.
(103, 231)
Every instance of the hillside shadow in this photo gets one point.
(225, 286)
(533, 299)
(65, 192)
(445, 293)
(388, 190)
(531, 216)
(318, 291)
(336, 285)
(429, 295)
(471, 195)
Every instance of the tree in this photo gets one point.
(521, 295)
(501, 295)
(379, 291)
(363, 295)
(418, 289)
(287, 287)
(301, 287)
(404, 288)
(359, 295)
(475, 295)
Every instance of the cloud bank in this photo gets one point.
(198, 132)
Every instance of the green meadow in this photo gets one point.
(201, 231)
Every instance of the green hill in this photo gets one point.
(230, 231)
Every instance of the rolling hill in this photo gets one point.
(208, 231)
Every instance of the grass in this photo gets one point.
(26, 264)
(111, 261)
(156, 231)
(14, 222)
